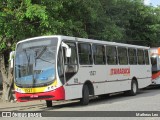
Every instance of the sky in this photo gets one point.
(152, 2)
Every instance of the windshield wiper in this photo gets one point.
(41, 53)
(46, 61)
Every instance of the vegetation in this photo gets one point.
(127, 21)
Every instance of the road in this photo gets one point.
(146, 100)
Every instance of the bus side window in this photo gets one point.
(140, 54)
(99, 54)
(122, 56)
(146, 57)
(70, 63)
(111, 54)
(85, 54)
(132, 56)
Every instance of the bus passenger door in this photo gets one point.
(70, 63)
(69, 70)
(73, 89)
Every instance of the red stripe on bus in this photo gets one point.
(155, 75)
(158, 51)
(57, 94)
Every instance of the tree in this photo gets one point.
(127, 21)
(18, 21)
(21, 19)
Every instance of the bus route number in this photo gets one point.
(92, 73)
(28, 90)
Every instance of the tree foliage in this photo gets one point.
(127, 21)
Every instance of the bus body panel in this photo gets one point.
(73, 91)
(104, 78)
(155, 59)
(57, 94)
(156, 78)
(103, 82)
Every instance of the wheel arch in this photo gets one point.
(135, 79)
(90, 87)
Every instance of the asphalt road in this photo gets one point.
(146, 100)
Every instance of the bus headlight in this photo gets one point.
(19, 90)
(49, 88)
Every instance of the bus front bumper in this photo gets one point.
(57, 94)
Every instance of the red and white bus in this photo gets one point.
(65, 68)
(155, 60)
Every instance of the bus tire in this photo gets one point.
(85, 96)
(49, 103)
(134, 88)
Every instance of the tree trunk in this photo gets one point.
(7, 80)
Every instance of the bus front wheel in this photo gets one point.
(49, 103)
(85, 96)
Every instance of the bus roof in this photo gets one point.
(86, 40)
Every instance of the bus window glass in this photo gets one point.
(122, 56)
(73, 58)
(140, 55)
(111, 55)
(99, 54)
(132, 56)
(85, 55)
(146, 57)
(70, 63)
(35, 62)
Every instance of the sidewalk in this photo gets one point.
(22, 106)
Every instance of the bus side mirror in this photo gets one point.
(68, 50)
(11, 58)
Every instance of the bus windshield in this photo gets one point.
(154, 60)
(35, 62)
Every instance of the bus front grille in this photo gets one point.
(35, 98)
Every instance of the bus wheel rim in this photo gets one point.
(134, 87)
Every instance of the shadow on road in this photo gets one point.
(105, 99)
(18, 108)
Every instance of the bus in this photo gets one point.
(57, 67)
(155, 61)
